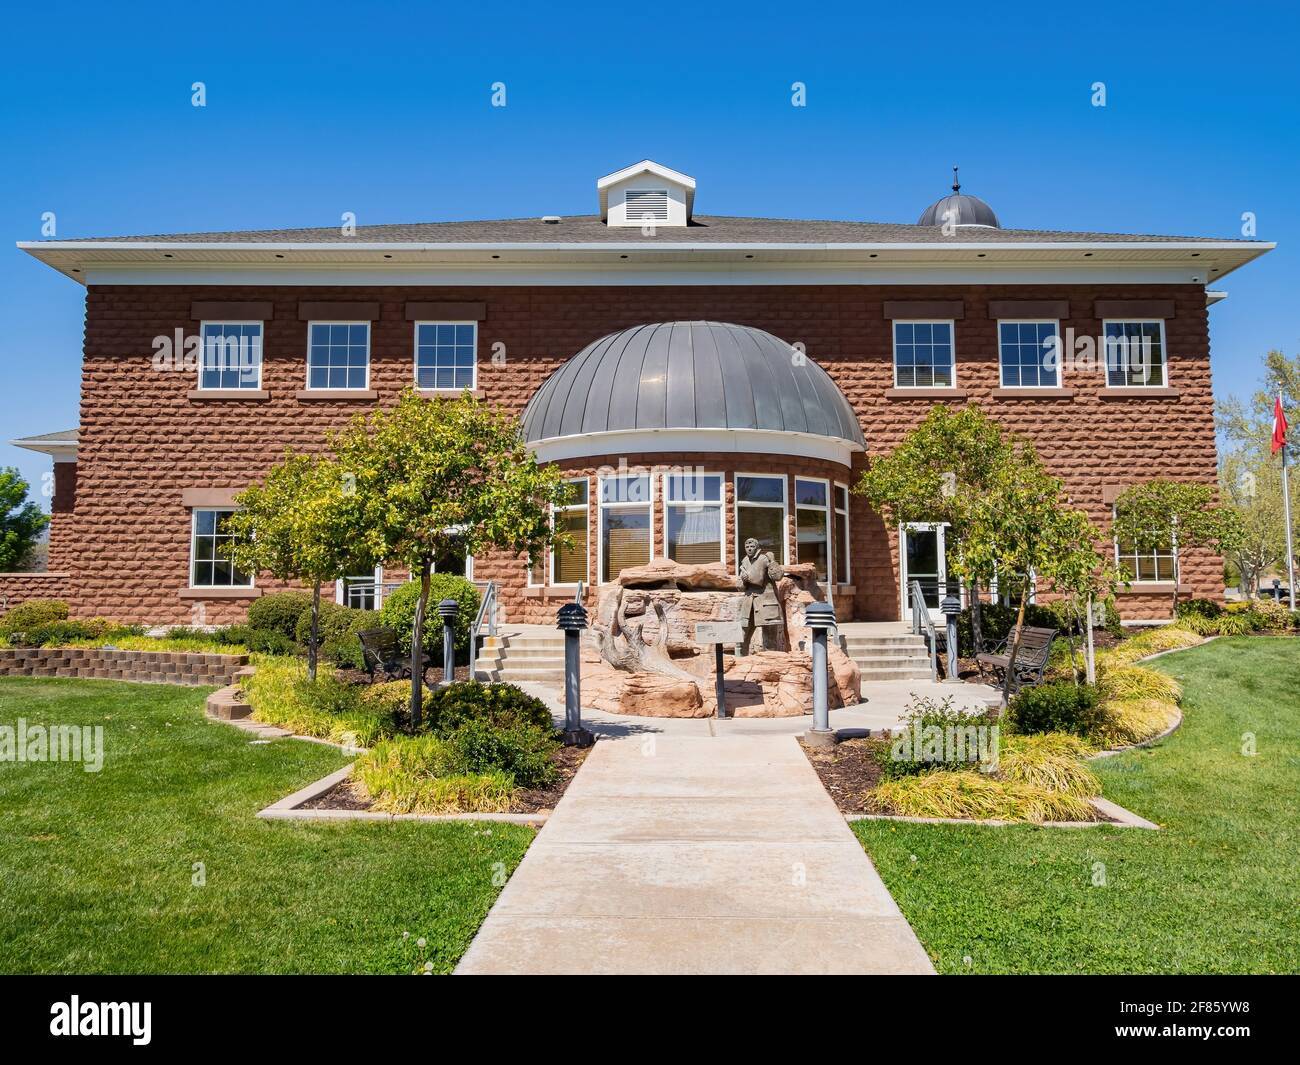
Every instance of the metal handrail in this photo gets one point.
(486, 609)
(577, 595)
(921, 620)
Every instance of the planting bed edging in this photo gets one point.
(101, 663)
(1121, 818)
(287, 809)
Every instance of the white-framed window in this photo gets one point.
(626, 506)
(567, 565)
(231, 355)
(446, 355)
(924, 355)
(812, 523)
(338, 355)
(840, 555)
(1150, 566)
(761, 513)
(362, 592)
(209, 568)
(693, 517)
(1135, 353)
(1028, 353)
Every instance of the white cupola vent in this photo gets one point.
(646, 193)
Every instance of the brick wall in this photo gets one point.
(17, 588)
(148, 667)
(143, 441)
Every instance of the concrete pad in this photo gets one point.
(647, 819)
(694, 945)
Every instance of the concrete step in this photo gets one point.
(869, 661)
(904, 673)
(533, 643)
(541, 676)
(525, 654)
(864, 642)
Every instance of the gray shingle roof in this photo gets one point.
(589, 229)
(689, 375)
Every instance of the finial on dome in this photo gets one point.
(956, 185)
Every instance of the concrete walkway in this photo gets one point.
(685, 854)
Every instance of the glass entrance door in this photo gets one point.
(922, 558)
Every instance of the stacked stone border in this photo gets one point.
(101, 663)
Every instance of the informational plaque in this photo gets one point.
(718, 632)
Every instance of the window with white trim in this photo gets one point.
(760, 514)
(841, 552)
(209, 567)
(1159, 564)
(693, 517)
(231, 355)
(923, 355)
(626, 523)
(338, 355)
(567, 565)
(446, 355)
(1135, 353)
(812, 522)
(362, 592)
(1028, 354)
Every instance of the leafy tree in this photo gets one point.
(21, 520)
(300, 524)
(940, 472)
(1251, 424)
(1254, 487)
(437, 475)
(1148, 514)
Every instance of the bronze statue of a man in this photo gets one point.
(760, 607)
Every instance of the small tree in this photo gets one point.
(300, 524)
(21, 520)
(1151, 514)
(940, 472)
(436, 474)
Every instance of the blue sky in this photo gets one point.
(384, 110)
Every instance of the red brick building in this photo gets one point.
(715, 378)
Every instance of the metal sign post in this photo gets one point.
(719, 633)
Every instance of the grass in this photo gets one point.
(1213, 892)
(97, 869)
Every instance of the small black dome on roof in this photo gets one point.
(966, 210)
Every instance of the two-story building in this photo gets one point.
(701, 378)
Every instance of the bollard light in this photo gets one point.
(571, 620)
(820, 617)
(950, 608)
(448, 609)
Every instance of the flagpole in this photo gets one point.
(1280, 427)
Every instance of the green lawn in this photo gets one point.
(1217, 890)
(97, 869)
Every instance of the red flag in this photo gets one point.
(1279, 426)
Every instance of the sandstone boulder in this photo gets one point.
(665, 573)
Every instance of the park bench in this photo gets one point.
(1031, 658)
(381, 654)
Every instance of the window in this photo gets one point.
(841, 553)
(568, 565)
(760, 514)
(625, 524)
(812, 523)
(232, 355)
(445, 354)
(693, 516)
(923, 355)
(1135, 354)
(1024, 349)
(1160, 564)
(338, 355)
(362, 592)
(209, 568)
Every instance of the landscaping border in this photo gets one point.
(189, 668)
(289, 808)
(1120, 818)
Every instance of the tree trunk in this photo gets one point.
(976, 628)
(313, 642)
(417, 645)
(1015, 648)
(1069, 637)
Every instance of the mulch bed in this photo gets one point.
(848, 771)
(350, 795)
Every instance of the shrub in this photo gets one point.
(339, 626)
(1128, 721)
(1198, 608)
(523, 752)
(262, 641)
(898, 758)
(55, 633)
(281, 695)
(398, 612)
(414, 774)
(32, 613)
(1273, 616)
(975, 795)
(1058, 706)
(279, 612)
(501, 705)
(1050, 761)
(997, 621)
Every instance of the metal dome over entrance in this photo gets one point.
(693, 380)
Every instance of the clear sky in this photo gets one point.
(385, 110)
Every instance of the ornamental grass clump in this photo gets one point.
(1129, 721)
(420, 774)
(326, 708)
(1135, 682)
(1050, 761)
(1155, 641)
(975, 796)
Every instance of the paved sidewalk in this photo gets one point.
(683, 854)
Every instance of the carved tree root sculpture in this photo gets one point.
(634, 655)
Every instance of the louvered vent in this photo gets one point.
(647, 205)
